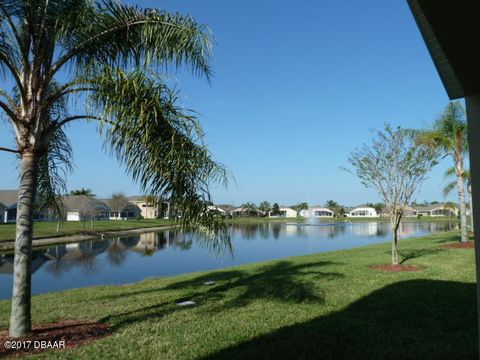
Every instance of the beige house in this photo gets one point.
(149, 208)
(437, 210)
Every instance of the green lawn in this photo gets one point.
(47, 229)
(321, 306)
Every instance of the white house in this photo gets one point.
(317, 212)
(285, 212)
(362, 211)
(217, 210)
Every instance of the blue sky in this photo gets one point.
(297, 86)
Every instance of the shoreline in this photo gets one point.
(10, 245)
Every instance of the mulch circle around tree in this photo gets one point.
(459, 245)
(59, 335)
(399, 267)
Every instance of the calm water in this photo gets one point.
(129, 259)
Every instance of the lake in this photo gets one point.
(129, 259)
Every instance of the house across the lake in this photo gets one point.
(150, 208)
(284, 212)
(362, 211)
(317, 212)
(244, 212)
(437, 210)
(84, 207)
(8, 208)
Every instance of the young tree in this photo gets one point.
(106, 54)
(395, 167)
(449, 136)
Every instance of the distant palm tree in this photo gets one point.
(449, 136)
(265, 207)
(82, 191)
(250, 208)
(452, 185)
(106, 55)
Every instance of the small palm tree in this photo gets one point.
(106, 55)
(449, 136)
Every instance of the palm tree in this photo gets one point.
(449, 136)
(451, 185)
(265, 207)
(249, 208)
(107, 55)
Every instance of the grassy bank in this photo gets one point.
(329, 306)
(49, 229)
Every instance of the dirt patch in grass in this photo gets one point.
(460, 245)
(59, 335)
(399, 267)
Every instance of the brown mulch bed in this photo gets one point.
(59, 335)
(460, 245)
(395, 267)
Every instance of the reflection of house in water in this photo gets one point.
(6, 262)
(148, 243)
(366, 229)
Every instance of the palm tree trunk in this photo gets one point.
(20, 319)
(463, 208)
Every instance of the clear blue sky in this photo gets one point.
(297, 86)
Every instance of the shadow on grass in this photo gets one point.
(417, 319)
(281, 281)
(414, 254)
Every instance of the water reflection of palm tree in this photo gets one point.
(116, 252)
(84, 254)
(57, 264)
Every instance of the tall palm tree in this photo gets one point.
(453, 184)
(449, 135)
(106, 55)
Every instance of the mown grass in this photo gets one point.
(49, 229)
(321, 306)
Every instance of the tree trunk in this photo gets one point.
(463, 208)
(20, 319)
(395, 221)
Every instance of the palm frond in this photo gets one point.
(124, 35)
(160, 144)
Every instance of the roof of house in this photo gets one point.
(82, 203)
(112, 205)
(432, 207)
(8, 197)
